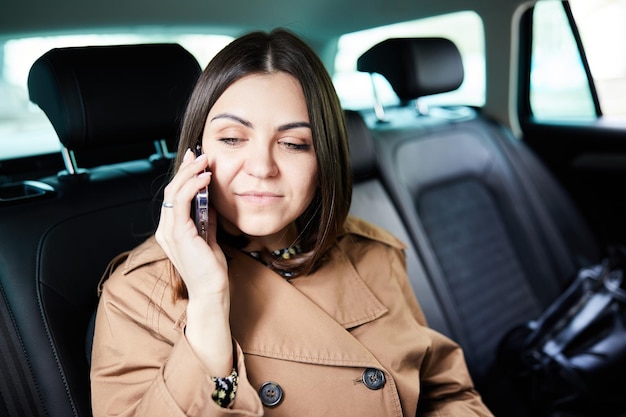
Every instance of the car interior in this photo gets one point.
(494, 231)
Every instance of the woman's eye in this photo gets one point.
(231, 141)
(296, 146)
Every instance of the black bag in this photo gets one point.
(572, 359)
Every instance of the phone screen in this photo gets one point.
(200, 204)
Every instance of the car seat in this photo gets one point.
(109, 106)
(498, 236)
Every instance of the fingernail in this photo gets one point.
(188, 154)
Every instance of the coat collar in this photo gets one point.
(150, 251)
(306, 320)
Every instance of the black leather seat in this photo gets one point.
(371, 201)
(497, 235)
(59, 233)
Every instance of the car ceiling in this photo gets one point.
(316, 20)
(320, 22)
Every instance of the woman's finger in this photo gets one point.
(190, 178)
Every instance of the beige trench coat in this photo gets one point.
(313, 336)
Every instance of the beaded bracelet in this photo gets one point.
(225, 389)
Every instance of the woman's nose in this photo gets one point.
(261, 163)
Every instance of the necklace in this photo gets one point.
(266, 258)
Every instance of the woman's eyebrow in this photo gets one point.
(237, 119)
(281, 128)
(294, 125)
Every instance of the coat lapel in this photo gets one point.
(305, 320)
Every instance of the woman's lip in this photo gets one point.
(259, 197)
(255, 193)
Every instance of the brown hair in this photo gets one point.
(263, 53)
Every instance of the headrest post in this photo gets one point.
(421, 107)
(69, 160)
(162, 151)
(379, 109)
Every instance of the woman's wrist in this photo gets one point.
(208, 334)
(211, 305)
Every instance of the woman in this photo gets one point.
(290, 308)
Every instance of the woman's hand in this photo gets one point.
(202, 266)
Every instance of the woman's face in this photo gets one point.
(259, 144)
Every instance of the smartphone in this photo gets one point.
(200, 204)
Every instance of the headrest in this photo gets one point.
(363, 157)
(415, 67)
(107, 95)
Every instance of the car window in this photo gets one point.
(465, 29)
(24, 128)
(559, 86)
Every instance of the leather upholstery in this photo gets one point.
(372, 201)
(54, 250)
(415, 67)
(496, 245)
(88, 93)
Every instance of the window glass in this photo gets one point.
(559, 88)
(558, 83)
(602, 31)
(24, 128)
(465, 29)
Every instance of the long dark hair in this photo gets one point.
(276, 51)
